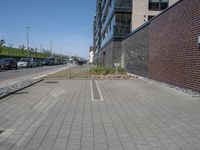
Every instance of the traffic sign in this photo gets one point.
(116, 64)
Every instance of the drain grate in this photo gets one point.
(1, 131)
(51, 82)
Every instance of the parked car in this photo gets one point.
(8, 64)
(24, 63)
(49, 61)
(36, 63)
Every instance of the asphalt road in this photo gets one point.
(14, 74)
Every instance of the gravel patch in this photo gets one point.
(165, 85)
(17, 86)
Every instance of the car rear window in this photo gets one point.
(7, 60)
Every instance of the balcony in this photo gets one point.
(123, 5)
(117, 32)
(121, 31)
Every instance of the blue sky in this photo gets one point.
(67, 22)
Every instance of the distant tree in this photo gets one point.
(49, 52)
(22, 47)
(10, 45)
(31, 51)
(36, 51)
(2, 42)
(43, 51)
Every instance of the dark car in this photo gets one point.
(8, 64)
(36, 63)
(48, 61)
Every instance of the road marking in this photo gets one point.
(96, 94)
(92, 93)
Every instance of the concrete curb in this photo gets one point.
(21, 88)
(13, 88)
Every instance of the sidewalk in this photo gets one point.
(131, 115)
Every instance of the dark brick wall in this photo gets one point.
(111, 53)
(174, 54)
(135, 52)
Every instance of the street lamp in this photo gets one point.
(61, 55)
(27, 29)
(51, 44)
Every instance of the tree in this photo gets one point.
(2, 42)
(49, 52)
(22, 47)
(36, 50)
(31, 52)
(10, 45)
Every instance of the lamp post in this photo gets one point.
(51, 44)
(61, 55)
(27, 32)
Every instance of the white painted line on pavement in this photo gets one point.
(92, 92)
(99, 90)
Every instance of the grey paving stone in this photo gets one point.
(117, 147)
(134, 115)
(129, 146)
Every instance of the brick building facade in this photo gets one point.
(167, 48)
(174, 53)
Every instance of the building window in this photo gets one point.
(164, 4)
(158, 5)
(154, 4)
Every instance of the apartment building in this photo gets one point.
(97, 31)
(144, 10)
(116, 23)
(115, 19)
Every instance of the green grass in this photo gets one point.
(106, 70)
(15, 52)
(75, 72)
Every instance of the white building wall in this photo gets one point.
(91, 57)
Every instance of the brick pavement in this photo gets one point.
(134, 115)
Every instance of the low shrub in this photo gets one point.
(106, 70)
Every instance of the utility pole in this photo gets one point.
(41, 48)
(27, 32)
(61, 55)
(51, 44)
(69, 66)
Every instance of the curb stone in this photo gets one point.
(190, 92)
